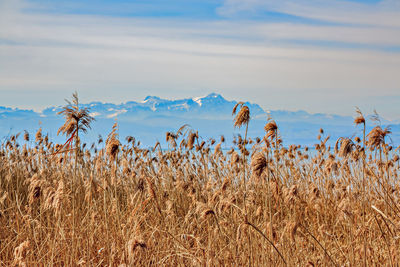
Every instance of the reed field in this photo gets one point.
(115, 203)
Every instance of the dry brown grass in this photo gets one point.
(130, 206)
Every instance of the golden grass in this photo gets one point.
(130, 206)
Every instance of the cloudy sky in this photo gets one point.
(317, 55)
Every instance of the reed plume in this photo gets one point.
(344, 147)
(258, 163)
(243, 116)
(76, 119)
(376, 137)
(112, 143)
(271, 129)
(360, 117)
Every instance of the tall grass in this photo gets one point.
(131, 206)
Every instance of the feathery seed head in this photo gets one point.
(243, 116)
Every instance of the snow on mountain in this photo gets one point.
(210, 106)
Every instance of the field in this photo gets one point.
(260, 204)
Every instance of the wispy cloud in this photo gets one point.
(378, 13)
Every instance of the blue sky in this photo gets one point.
(316, 55)
(205, 9)
(122, 8)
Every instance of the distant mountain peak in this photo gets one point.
(199, 100)
(151, 98)
(214, 95)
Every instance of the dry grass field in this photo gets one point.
(193, 204)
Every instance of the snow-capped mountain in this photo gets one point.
(210, 106)
(211, 115)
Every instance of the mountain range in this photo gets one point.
(211, 116)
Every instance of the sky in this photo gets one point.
(322, 56)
